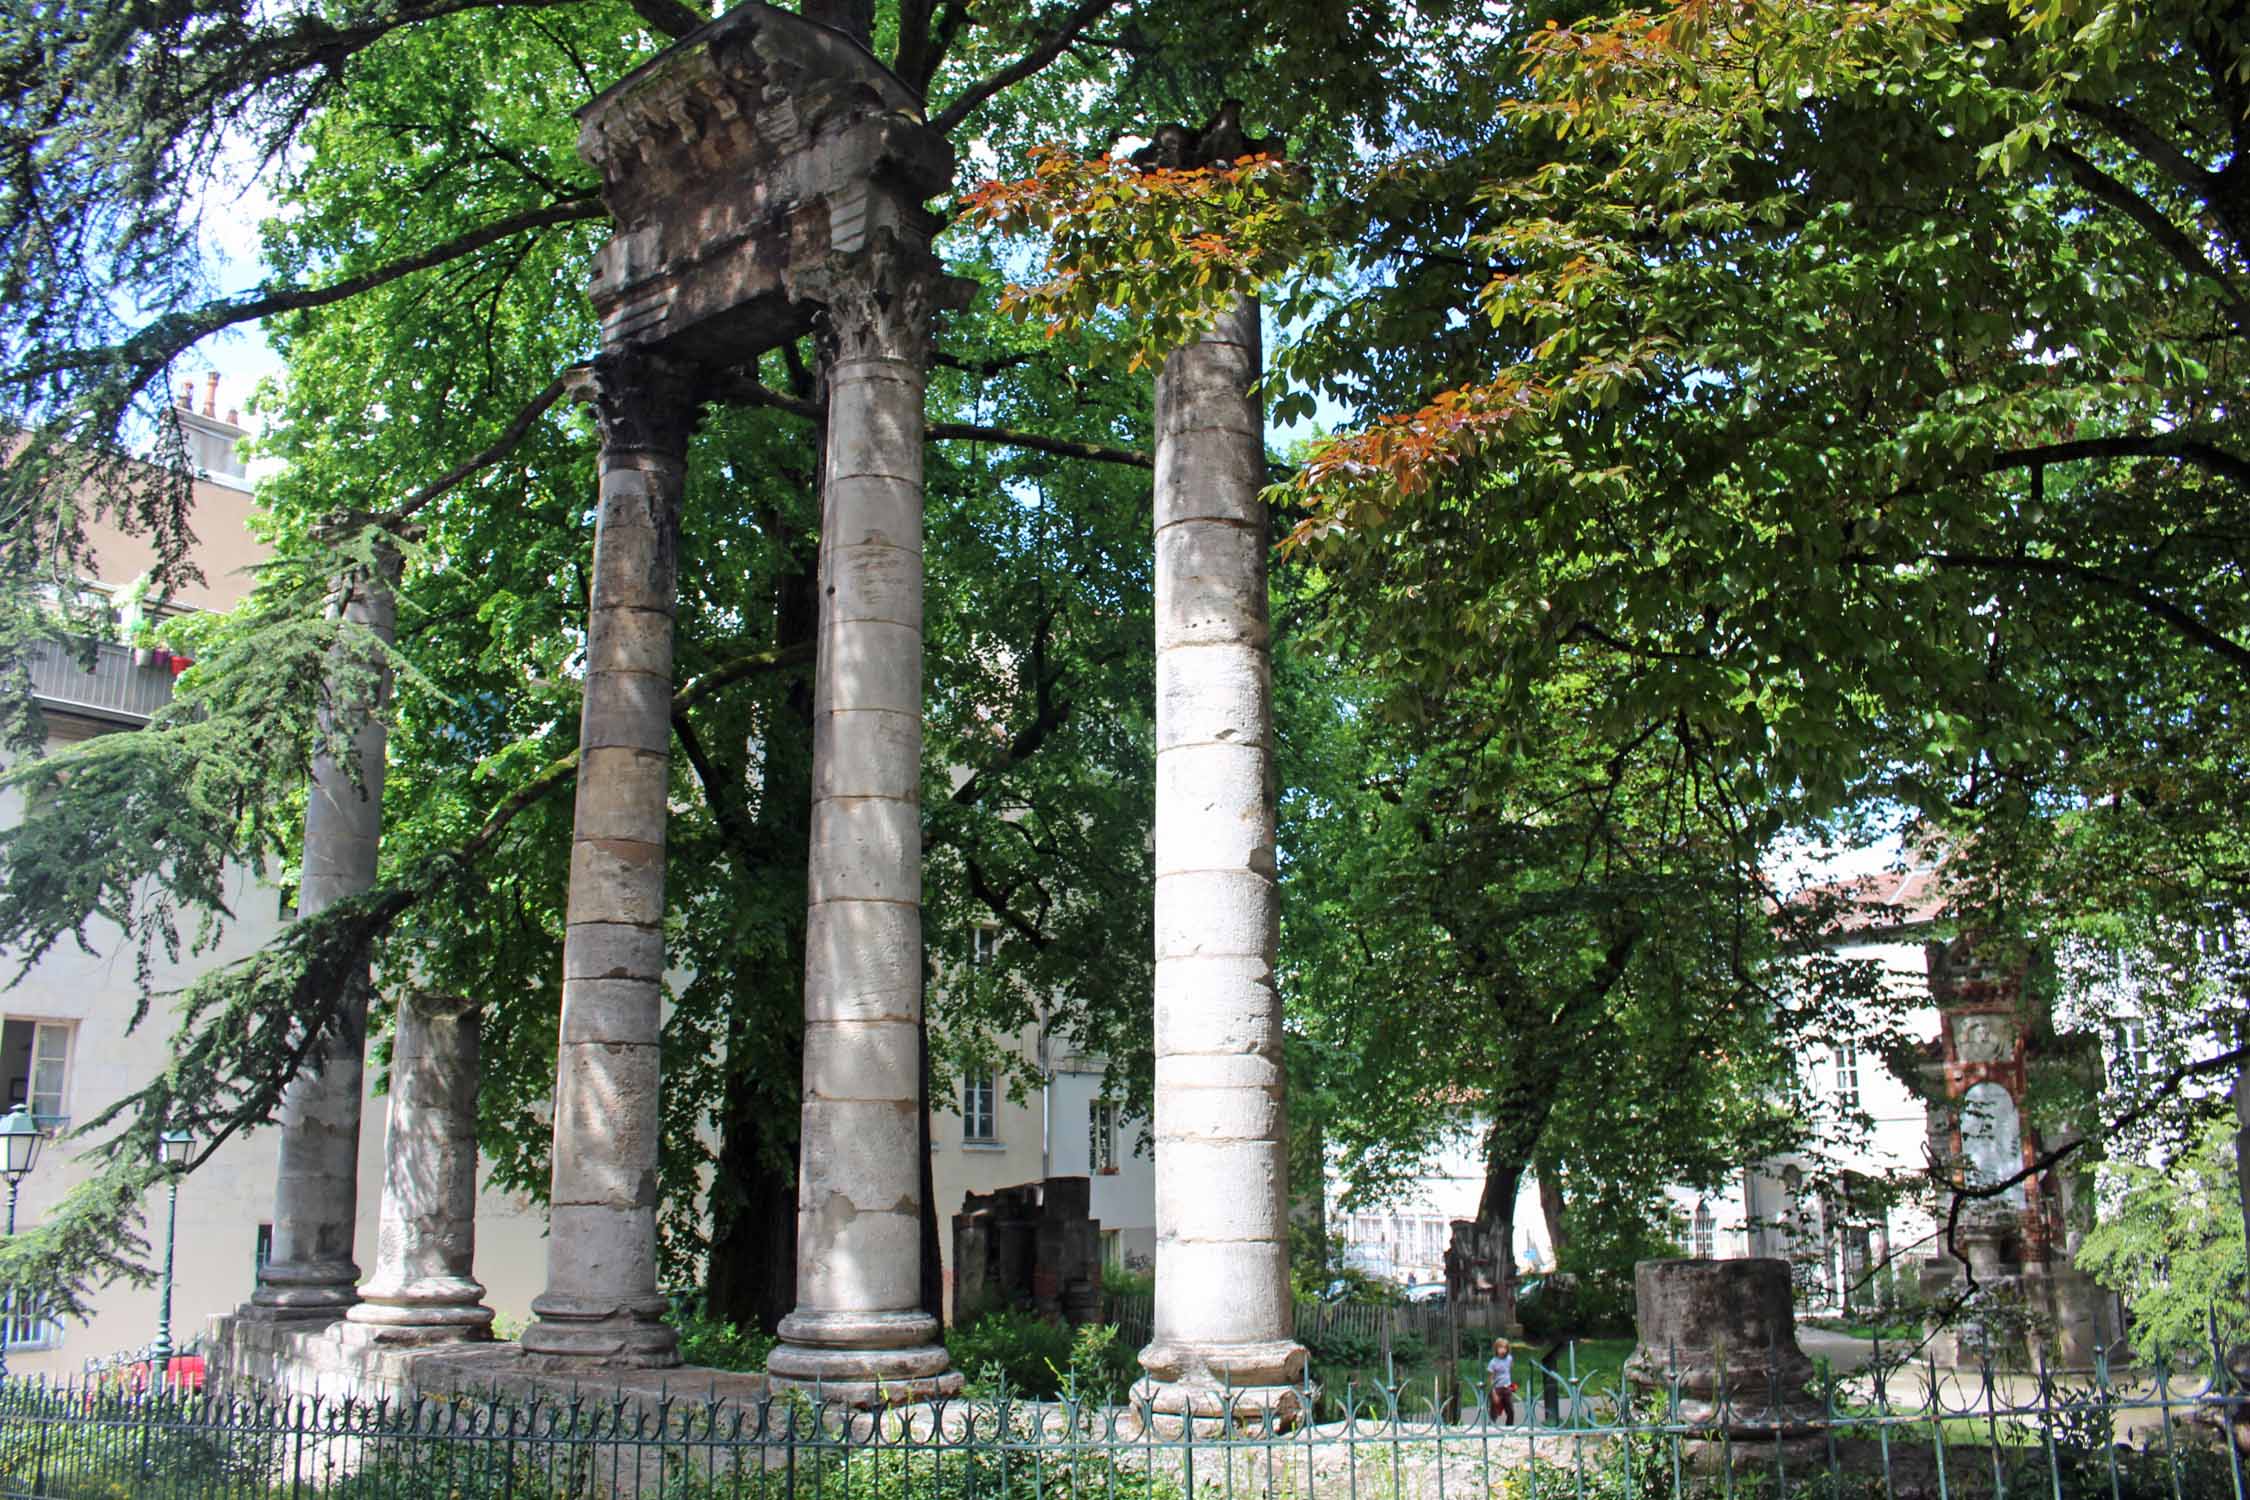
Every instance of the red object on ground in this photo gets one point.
(185, 1374)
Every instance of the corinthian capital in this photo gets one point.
(643, 404)
(877, 302)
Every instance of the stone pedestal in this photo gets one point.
(1723, 1335)
(1222, 1317)
(311, 1273)
(602, 1303)
(859, 1331)
(424, 1290)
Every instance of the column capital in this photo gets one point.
(878, 302)
(643, 404)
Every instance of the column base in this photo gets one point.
(571, 1332)
(1205, 1389)
(416, 1318)
(302, 1292)
(863, 1359)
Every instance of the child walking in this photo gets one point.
(1500, 1373)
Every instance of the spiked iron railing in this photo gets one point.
(1902, 1428)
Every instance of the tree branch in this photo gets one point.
(2106, 189)
(158, 343)
(2136, 133)
(493, 452)
(2195, 451)
(751, 393)
(1081, 17)
(2181, 620)
(670, 17)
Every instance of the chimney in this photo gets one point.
(187, 395)
(210, 393)
(234, 417)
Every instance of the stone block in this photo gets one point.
(875, 422)
(1214, 913)
(866, 849)
(628, 640)
(612, 1010)
(630, 710)
(610, 950)
(1212, 809)
(868, 752)
(605, 1262)
(1254, 1206)
(868, 664)
(1212, 697)
(863, 961)
(876, 1061)
(873, 581)
(1211, 588)
(606, 1125)
(617, 881)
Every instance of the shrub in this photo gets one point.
(714, 1342)
(1030, 1356)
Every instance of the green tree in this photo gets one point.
(2170, 1242)
(1560, 943)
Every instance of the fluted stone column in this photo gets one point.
(310, 1273)
(601, 1303)
(1222, 1316)
(859, 1330)
(424, 1290)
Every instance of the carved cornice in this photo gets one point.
(643, 404)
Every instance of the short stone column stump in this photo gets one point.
(1719, 1338)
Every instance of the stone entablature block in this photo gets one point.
(735, 165)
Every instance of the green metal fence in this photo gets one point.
(1900, 1430)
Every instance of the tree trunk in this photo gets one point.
(1551, 1206)
(751, 1279)
(1496, 1229)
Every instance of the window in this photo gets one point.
(262, 1250)
(1101, 1136)
(980, 1100)
(1704, 1243)
(31, 1326)
(1847, 1077)
(35, 1060)
(983, 944)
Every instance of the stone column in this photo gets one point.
(858, 1330)
(310, 1273)
(424, 1290)
(1222, 1314)
(1721, 1335)
(601, 1302)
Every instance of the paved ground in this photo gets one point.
(1844, 1353)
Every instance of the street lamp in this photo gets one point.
(171, 1154)
(20, 1141)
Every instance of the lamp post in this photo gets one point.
(19, 1152)
(172, 1154)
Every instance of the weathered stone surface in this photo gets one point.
(316, 1194)
(1723, 1335)
(1035, 1246)
(601, 1301)
(423, 1289)
(859, 1194)
(1222, 1314)
(735, 164)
